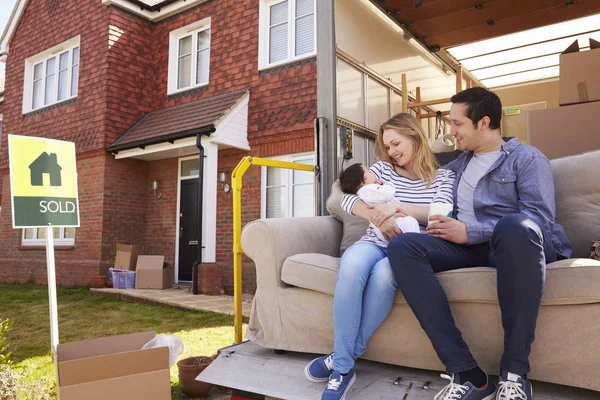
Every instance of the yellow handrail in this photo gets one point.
(236, 185)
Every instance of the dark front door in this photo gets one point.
(188, 221)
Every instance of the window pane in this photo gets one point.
(37, 71)
(202, 67)
(75, 56)
(279, 13)
(305, 35)
(378, 104)
(185, 69)
(185, 46)
(69, 233)
(63, 88)
(50, 78)
(278, 43)
(63, 61)
(303, 205)
(300, 177)
(38, 94)
(74, 80)
(350, 93)
(190, 168)
(304, 7)
(275, 176)
(203, 40)
(29, 233)
(41, 233)
(275, 202)
(396, 103)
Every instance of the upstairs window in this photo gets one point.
(287, 31)
(189, 57)
(52, 76)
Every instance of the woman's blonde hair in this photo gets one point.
(424, 163)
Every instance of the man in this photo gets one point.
(505, 218)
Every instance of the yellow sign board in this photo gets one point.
(43, 182)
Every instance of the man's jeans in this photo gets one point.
(519, 253)
(364, 294)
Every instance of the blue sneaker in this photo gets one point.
(466, 391)
(338, 385)
(513, 387)
(319, 369)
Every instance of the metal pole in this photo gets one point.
(50, 266)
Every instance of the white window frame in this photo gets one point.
(288, 203)
(60, 241)
(174, 37)
(264, 37)
(43, 58)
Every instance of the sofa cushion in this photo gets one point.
(578, 199)
(353, 227)
(573, 281)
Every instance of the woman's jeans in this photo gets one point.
(364, 294)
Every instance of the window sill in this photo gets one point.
(43, 247)
(286, 63)
(187, 90)
(50, 107)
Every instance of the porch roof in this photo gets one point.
(179, 122)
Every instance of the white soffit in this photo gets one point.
(525, 56)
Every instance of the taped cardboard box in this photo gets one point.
(152, 272)
(564, 131)
(579, 74)
(113, 368)
(127, 255)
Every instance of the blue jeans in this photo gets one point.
(364, 294)
(519, 251)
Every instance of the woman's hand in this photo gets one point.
(389, 229)
(382, 212)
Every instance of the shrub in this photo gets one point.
(5, 326)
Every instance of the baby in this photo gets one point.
(357, 179)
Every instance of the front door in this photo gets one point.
(188, 221)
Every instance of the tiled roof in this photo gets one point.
(178, 122)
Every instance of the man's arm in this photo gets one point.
(535, 187)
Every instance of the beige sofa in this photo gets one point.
(297, 260)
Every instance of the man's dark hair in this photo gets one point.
(480, 103)
(352, 178)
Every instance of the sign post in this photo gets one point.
(43, 186)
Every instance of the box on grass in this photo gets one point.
(127, 254)
(113, 368)
(152, 272)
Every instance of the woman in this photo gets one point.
(365, 287)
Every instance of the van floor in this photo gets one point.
(252, 368)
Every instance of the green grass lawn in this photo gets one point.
(82, 316)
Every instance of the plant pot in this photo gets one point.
(189, 369)
(98, 281)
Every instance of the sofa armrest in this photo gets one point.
(268, 242)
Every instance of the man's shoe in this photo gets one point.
(319, 369)
(466, 391)
(338, 385)
(513, 387)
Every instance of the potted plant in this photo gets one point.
(98, 281)
(189, 369)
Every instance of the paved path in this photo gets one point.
(179, 296)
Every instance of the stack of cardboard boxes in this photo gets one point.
(571, 128)
(151, 272)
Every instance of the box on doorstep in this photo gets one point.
(152, 272)
(564, 131)
(122, 279)
(579, 74)
(113, 368)
(127, 254)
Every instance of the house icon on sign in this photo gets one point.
(45, 164)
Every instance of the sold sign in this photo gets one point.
(43, 182)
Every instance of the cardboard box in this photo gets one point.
(127, 255)
(579, 74)
(113, 368)
(152, 272)
(563, 131)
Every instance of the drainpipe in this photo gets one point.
(199, 225)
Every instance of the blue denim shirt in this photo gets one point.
(520, 181)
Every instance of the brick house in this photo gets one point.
(135, 84)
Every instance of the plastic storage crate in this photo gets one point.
(123, 279)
